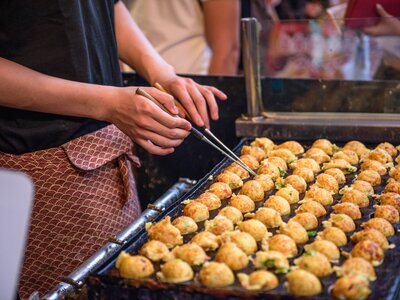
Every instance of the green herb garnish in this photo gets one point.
(311, 233)
(269, 263)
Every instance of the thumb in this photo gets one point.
(382, 12)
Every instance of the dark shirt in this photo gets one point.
(70, 39)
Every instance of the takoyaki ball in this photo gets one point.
(258, 280)
(197, 211)
(303, 283)
(306, 163)
(357, 265)
(334, 235)
(318, 155)
(210, 200)
(289, 193)
(255, 151)
(266, 182)
(312, 207)
(243, 240)
(380, 155)
(363, 186)
(294, 230)
(348, 208)
(270, 170)
(253, 189)
(255, 228)
(277, 161)
(347, 155)
(341, 164)
(380, 224)
(214, 274)
(218, 225)
(154, 250)
(278, 203)
(341, 221)
(325, 247)
(238, 170)
(305, 219)
(319, 195)
(250, 161)
(285, 154)
(293, 146)
(233, 180)
(269, 217)
(191, 253)
(355, 196)
(387, 212)
(297, 182)
(242, 203)
(221, 189)
(232, 213)
(357, 147)
(306, 173)
(327, 182)
(368, 250)
(206, 240)
(165, 232)
(372, 235)
(388, 147)
(390, 198)
(324, 145)
(133, 266)
(186, 225)
(231, 255)
(393, 186)
(282, 243)
(337, 174)
(370, 176)
(175, 271)
(351, 287)
(271, 260)
(314, 262)
(264, 143)
(395, 174)
(370, 164)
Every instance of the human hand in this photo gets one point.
(388, 25)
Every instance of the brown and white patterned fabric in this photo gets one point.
(85, 193)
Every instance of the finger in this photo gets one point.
(153, 149)
(211, 102)
(200, 102)
(372, 30)
(220, 95)
(164, 99)
(184, 97)
(160, 140)
(382, 12)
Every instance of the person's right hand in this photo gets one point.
(147, 124)
(388, 25)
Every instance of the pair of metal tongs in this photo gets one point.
(197, 133)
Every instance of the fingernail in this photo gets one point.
(200, 122)
(175, 110)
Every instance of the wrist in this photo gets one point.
(108, 103)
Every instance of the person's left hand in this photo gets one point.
(388, 25)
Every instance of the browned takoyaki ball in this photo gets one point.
(266, 182)
(294, 230)
(370, 176)
(312, 207)
(243, 240)
(348, 208)
(370, 164)
(393, 186)
(363, 186)
(270, 170)
(328, 182)
(282, 243)
(380, 155)
(285, 154)
(324, 145)
(186, 225)
(242, 203)
(334, 235)
(250, 161)
(318, 155)
(337, 174)
(372, 235)
(325, 247)
(154, 250)
(221, 189)
(191, 253)
(380, 224)
(388, 147)
(347, 155)
(218, 225)
(253, 189)
(216, 274)
(233, 180)
(238, 170)
(314, 262)
(293, 146)
(133, 266)
(271, 260)
(306, 163)
(341, 164)
(277, 161)
(356, 197)
(165, 232)
(306, 173)
(319, 195)
(197, 211)
(264, 143)
(231, 255)
(341, 221)
(305, 219)
(255, 151)
(289, 193)
(395, 174)
(351, 287)
(368, 250)
(254, 227)
(175, 271)
(357, 147)
(357, 265)
(278, 203)
(303, 283)
(258, 280)
(387, 212)
(297, 182)
(232, 213)
(206, 240)
(390, 198)
(268, 216)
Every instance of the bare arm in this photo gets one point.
(222, 33)
(388, 25)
